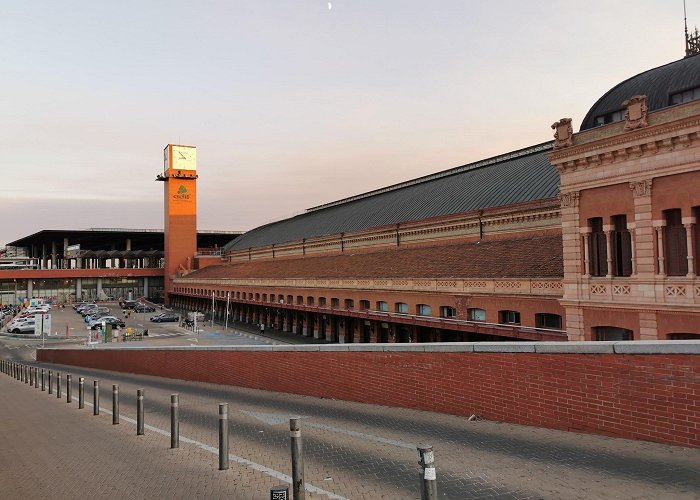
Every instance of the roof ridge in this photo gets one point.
(518, 153)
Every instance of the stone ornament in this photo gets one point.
(636, 113)
(569, 199)
(641, 188)
(563, 133)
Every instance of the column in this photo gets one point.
(316, 321)
(643, 261)
(660, 247)
(30, 288)
(689, 229)
(78, 289)
(609, 249)
(145, 286)
(341, 331)
(99, 288)
(586, 253)
(64, 261)
(54, 255)
(285, 321)
(631, 227)
(305, 324)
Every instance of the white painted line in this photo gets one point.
(243, 461)
(281, 418)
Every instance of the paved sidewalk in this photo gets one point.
(51, 449)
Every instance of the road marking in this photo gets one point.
(243, 461)
(280, 418)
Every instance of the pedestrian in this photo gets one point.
(124, 311)
(262, 328)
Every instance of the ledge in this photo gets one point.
(622, 347)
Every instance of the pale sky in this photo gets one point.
(290, 104)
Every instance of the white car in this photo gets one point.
(21, 325)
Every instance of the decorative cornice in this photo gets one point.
(649, 140)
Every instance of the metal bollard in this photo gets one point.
(223, 436)
(26, 374)
(139, 412)
(36, 378)
(31, 376)
(43, 387)
(50, 384)
(58, 385)
(428, 483)
(96, 397)
(174, 421)
(298, 488)
(115, 404)
(81, 393)
(69, 396)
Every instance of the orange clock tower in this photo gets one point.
(180, 209)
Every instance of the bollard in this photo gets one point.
(26, 374)
(174, 421)
(139, 412)
(69, 396)
(428, 483)
(31, 376)
(223, 436)
(43, 387)
(50, 384)
(81, 393)
(298, 488)
(96, 397)
(58, 385)
(115, 404)
(36, 378)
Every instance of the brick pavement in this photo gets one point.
(351, 450)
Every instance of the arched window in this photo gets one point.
(401, 307)
(612, 333)
(321, 302)
(364, 305)
(423, 310)
(447, 312)
(547, 320)
(309, 301)
(508, 317)
(476, 314)
(382, 306)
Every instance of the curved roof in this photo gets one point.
(510, 258)
(657, 84)
(518, 177)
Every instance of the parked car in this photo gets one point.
(129, 304)
(83, 307)
(96, 315)
(165, 317)
(107, 320)
(21, 325)
(144, 308)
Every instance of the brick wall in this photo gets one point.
(654, 397)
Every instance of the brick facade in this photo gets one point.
(652, 397)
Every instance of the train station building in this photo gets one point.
(590, 236)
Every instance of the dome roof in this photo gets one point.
(657, 84)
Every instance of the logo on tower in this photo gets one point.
(182, 193)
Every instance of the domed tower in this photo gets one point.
(630, 200)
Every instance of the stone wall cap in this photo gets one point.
(658, 347)
(575, 347)
(504, 347)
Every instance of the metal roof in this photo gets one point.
(109, 238)
(518, 177)
(657, 84)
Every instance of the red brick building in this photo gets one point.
(589, 237)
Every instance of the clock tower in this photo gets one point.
(180, 210)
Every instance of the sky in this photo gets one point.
(291, 103)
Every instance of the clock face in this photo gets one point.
(184, 158)
(166, 155)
